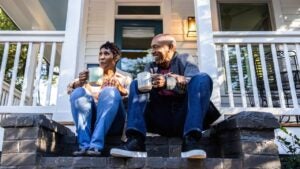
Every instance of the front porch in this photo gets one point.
(256, 71)
(252, 71)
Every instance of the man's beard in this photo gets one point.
(161, 61)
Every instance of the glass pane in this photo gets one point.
(137, 38)
(139, 10)
(244, 17)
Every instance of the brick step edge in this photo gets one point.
(150, 162)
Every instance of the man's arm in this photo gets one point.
(177, 82)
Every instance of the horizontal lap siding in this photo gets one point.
(180, 11)
(291, 14)
(95, 30)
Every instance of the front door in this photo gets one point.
(134, 37)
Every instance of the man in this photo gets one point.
(102, 101)
(175, 106)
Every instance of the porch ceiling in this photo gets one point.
(37, 14)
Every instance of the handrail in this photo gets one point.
(232, 37)
(32, 36)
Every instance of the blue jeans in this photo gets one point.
(94, 121)
(174, 115)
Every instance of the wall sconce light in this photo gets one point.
(192, 27)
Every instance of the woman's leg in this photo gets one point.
(109, 103)
(82, 107)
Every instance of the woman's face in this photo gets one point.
(106, 59)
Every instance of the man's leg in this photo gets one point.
(199, 93)
(109, 104)
(82, 106)
(136, 126)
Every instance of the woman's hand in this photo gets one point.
(114, 82)
(83, 76)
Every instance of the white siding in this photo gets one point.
(96, 19)
(180, 11)
(95, 29)
(291, 14)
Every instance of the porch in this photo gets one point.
(256, 71)
(252, 71)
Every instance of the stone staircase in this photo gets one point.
(245, 140)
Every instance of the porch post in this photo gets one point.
(69, 56)
(207, 56)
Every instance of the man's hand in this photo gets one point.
(181, 80)
(158, 81)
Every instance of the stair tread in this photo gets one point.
(149, 162)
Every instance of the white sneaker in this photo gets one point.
(117, 152)
(194, 154)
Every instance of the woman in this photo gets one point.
(105, 106)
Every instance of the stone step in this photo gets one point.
(33, 141)
(141, 163)
(159, 146)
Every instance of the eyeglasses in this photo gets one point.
(104, 53)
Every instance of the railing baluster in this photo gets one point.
(228, 75)
(38, 73)
(52, 61)
(278, 76)
(290, 75)
(3, 66)
(298, 54)
(253, 75)
(26, 74)
(265, 75)
(241, 76)
(14, 75)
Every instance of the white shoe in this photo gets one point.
(117, 152)
(194, 154)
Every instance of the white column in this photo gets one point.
(69, 57)
(207, 56)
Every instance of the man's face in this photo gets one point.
(160, 52)
(106, 59)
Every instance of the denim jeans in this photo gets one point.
(94, 121)
(174, 115)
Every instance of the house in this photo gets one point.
(250, 48)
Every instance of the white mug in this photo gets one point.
(95, 74)
(144, 81)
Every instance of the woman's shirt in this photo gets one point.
(123, 78)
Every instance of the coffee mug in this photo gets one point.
(144, 81)
(95, 74)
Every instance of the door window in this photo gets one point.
(134, 37)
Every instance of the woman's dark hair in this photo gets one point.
(113, 48)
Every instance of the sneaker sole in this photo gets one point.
(194, 154)
(124, 153)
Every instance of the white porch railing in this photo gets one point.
(33, 75)
(259, 71)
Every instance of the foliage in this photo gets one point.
(6, 23)
(135, 66)
(291, 143)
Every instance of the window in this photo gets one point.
(138, 10)
(244, 17)
(134, 37)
